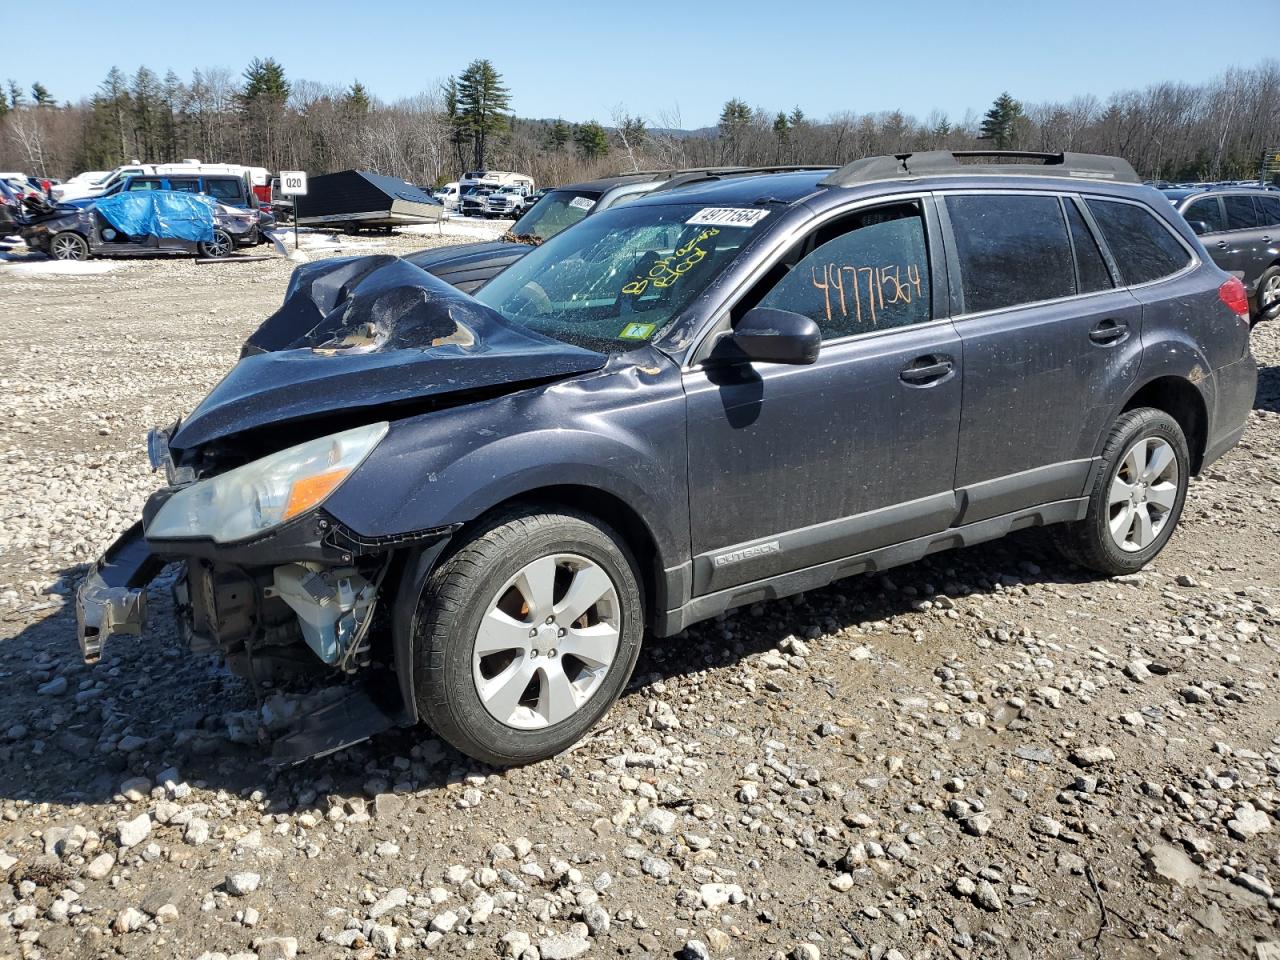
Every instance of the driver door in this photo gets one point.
(797, 466)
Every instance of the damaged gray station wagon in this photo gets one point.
(723, 393)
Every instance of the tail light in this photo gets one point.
(1233, 294)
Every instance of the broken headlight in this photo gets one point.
(254, 498)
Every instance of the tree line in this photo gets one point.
(1177, 131)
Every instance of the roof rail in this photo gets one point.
(772, 168)
(933, 163)
(680, 178)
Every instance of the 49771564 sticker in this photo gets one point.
(727, 217)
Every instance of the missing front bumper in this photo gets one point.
(112, 599)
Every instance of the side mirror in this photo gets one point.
(774, 336)
(1199, 227)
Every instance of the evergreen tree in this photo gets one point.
(1000, 123)
(146, 106)
(591, 140)
(558, 134)
(357, 99)
(635, 131)
(482, 104)
(263, 99)
(41, 95)
(107, 136)
(264, 83)
(797, 116)
(16, 98)
(735, 118)
(459, 135)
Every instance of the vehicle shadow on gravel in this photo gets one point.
(150, 706)
(1268, 396)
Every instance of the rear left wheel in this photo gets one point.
(1268, 306)
(526, 635)
(1137, 498)
(219, 247)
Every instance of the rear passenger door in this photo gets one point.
(1249, 240)
(1050, 345)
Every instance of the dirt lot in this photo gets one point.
(988, 754)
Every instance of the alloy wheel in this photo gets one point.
(547, 640)
(68, 247)
(1269, 298)
(219, 247)
(1143, 493)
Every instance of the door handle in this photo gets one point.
(1266, 239)
(925, 370)
(1109, 331)
(1222, 244)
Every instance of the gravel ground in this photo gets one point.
(987, 754)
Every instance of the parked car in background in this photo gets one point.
(10, 209)
(229, 189)
(1240, 229)
(66, 232)
(473, 201)
(505, 202)
(732, 390)
(448, 195)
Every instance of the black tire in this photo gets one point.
(454, 600)
(68, 245)
(1089, 542)
(222, 246)
(1270, 310)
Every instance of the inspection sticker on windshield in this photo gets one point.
(582, 203)
(727, 217)
(637, 331)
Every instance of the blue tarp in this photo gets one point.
(160, 213)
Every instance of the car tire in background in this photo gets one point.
(1137, 497)
(1268, 296)
(220, 247)
(68, 245)
(526, 634)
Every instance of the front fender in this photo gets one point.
(620, 432)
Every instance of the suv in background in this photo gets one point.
(1240, 227)
(736, 389)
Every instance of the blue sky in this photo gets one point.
(579, 61)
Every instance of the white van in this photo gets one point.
(448, 195)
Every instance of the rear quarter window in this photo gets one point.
(1268, 211)
(1207, 211)
(1142, 246)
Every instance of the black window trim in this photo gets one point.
(1194, 263)
(935, 243)
(958, 313)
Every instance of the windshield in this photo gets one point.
(554, 212)
(619, 278)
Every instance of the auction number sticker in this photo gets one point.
(582, 203)
(727, 217)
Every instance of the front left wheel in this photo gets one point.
(526, 635)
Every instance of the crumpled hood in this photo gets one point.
(371, 332)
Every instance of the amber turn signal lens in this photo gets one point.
(309, 491)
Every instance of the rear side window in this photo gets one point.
(872, 276)
(135, 185)
(1142, 246)
(1208, 212)
(1268, 211)
(1012, 250)
(228, 191)
(1091, 270)
(1240, 213)
(185, 186)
